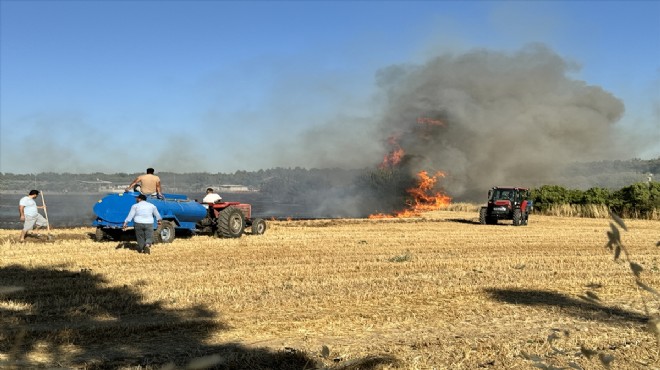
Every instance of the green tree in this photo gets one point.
(597, 196)
(548, 195)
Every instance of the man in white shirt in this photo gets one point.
(142, 214)
(29, 213)
(210, 197)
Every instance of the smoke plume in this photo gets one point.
(489, 118)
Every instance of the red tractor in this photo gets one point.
(506, 203)
(229, 220)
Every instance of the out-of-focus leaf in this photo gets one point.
(648, 288)
(557, 351)
(589, 299)
(592, 295)
(617, 252)
(529, 357)
(616, 235)
(653, 326)
(552, 337)
(573, 365)
(657, 244)
(619, 221)
(605, 359)
(636, 268)
(588, 353)
(325, 351)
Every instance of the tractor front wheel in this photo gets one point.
(482, 215)
(517, 217)
(231, 223)
(258, 226)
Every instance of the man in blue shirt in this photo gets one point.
(142, 214)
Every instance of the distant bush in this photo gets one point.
(639, 200)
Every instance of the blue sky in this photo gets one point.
(219, 86)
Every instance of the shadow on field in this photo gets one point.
(77, 319)
(464, 221)
(579, 307)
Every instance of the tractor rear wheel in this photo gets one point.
(258, 226)
(164, 233)
(231, 223)
(517, 217)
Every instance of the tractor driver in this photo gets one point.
(211, 197)
(149, 184)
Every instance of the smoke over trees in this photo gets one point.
(506, 118)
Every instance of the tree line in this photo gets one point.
(639, 200)
(372, 189)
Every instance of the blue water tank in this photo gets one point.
(112, 209)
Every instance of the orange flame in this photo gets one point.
(395, 155)
(423, 198)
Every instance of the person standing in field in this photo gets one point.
(29, 213)
(142, 214)
(149, 184)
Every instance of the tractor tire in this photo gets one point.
(517, 217)
(482, 215)
(258, 226)
(231, 223)
(165, 232)
(100, 235)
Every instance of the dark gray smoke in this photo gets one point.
(507, 119)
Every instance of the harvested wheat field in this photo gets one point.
(435, 292)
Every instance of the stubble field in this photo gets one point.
(436, 292)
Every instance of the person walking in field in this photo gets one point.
(142, 214)
(29, 213)
(149, 184)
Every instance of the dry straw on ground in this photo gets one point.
(435, 292)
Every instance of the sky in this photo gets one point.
(223, 86)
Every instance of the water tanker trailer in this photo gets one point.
(180, 215)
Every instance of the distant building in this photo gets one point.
(227, 188)
(112, 188)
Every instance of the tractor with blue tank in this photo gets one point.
(180, 215)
